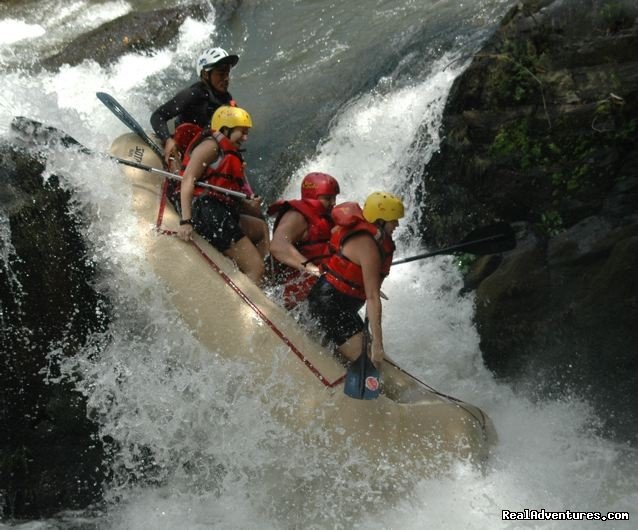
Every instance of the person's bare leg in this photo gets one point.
(257, 231)
(248, 259)
(351, 349)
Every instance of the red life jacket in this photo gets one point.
(184, 134)
(343, 274)
(227, 171)
(314, 246)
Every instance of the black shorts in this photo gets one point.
(336, 314)
(216, 222)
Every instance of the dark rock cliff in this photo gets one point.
(50, 456)
(542, 131)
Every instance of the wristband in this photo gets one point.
(185, 222)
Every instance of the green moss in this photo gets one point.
(567, 158)
(513, 80)
(566, 166)
(516, 143)
(629, 132)
(465, 261)
(551, 223)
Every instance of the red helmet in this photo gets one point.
(315, 184)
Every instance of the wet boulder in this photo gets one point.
(139, 31)
(541, 131)
(542, 124)
(51, 456)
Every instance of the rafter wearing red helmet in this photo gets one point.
(301, 234)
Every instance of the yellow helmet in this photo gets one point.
(382, 205)
(230, 117)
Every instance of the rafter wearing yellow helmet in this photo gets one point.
(230, 117)
(232, 225)
(383, 205)
(361, 255)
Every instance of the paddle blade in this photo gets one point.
(362, 379)
(31, 130)
(122, 114)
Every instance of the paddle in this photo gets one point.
(490, 239)
(51, 136)
(362, 378)
(128, 120)
(169, 175)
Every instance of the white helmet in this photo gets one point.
(212, 57)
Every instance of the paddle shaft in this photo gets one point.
(364, 352)
(169, 175)
(491, 239)
(447, 250)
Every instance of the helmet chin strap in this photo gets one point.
(380, 224)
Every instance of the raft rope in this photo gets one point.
(285, 339)
(456, 401)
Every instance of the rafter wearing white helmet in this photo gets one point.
(214, 57)
(196, 103)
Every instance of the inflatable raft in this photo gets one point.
(232, 317)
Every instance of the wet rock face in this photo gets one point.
(50, 458)
(135, 31)
(542, 131)
(543, 123)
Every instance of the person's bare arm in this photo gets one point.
(364, 251)
(252, 206)
(291, 228)
(203, 155)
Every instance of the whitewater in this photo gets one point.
(217, 457)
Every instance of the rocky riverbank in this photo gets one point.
(51, 457)
(542, 131)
